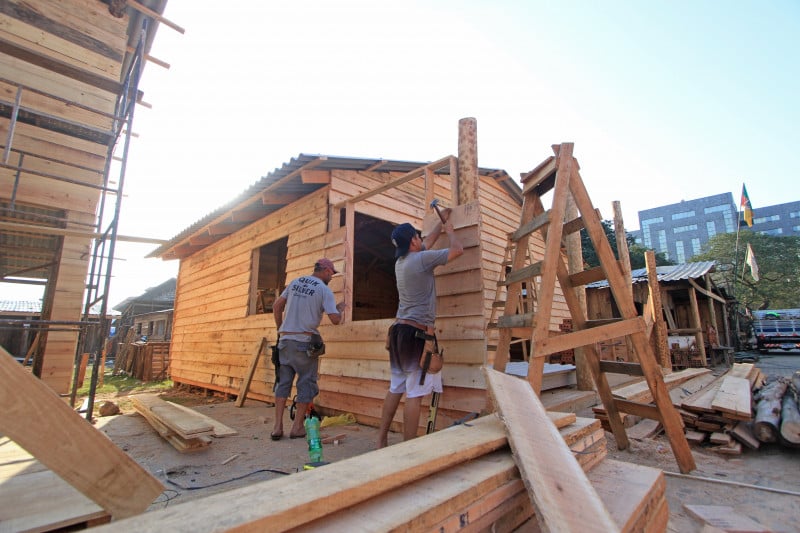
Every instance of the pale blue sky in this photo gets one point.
(664, 100)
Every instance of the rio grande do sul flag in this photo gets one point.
(746, 207)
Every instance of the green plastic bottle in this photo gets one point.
(314, 440)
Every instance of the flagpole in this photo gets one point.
(735, 268)
(736, 251)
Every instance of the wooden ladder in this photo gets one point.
(560, 174)
(526, 299)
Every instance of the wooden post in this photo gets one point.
(659, 325)
(698, 325)
(624, 257)
(583, 374)
(467, 160)
(248, 377)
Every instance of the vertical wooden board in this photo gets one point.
(554, 479)
(39, 421)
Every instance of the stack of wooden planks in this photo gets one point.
(640, 392)
(462, 477)
(185, 429)
(721, 410)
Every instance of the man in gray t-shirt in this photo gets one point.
(416, 311)
(298, 312)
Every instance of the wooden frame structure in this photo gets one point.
(560, 174)
(68, 89)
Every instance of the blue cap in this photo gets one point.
(401, 238)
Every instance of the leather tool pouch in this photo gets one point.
(315, 346)
(432, 359)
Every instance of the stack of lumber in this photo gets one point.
(499, 472)
(721, 411)
(185, 429)
(640, 392)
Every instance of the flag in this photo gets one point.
(746, 208)
(750, 259)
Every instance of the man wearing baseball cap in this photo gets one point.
(298, 312)
(416, 311)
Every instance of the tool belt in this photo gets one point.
(316, 346)
(432, 359)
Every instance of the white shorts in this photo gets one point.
(408, 383)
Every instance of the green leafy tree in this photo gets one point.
(778, 260)
(635, 251)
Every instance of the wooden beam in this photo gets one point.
(545, 462)
(224, 227)
(655, 309)
(706, 292)
(45, 230)
(273, 198)
(34, 417)
(558, 343)
(414, 174)
(315, 176)
(155, 16)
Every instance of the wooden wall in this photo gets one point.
(214, 339)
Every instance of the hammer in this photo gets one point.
(435, 205)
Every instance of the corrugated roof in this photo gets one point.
(666, 273)
(34, 307)
(287, 181)
(29, 307)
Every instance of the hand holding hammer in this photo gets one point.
(440, 212)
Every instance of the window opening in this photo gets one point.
(269, 275)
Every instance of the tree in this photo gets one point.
(778, 260)
(635, 251)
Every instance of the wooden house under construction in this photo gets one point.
(69, 75)
(236, 260)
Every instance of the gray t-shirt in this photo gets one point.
(415, 284)
(307, 298)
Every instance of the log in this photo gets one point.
(767, 422)
(790, 421)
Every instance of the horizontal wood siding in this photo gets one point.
(500, 217)
(214, 339)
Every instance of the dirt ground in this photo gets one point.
(760, 484)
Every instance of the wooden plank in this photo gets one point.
(700, 402)
(645, 429)
(39, 421)
(183, 423)
(545, 462)
(633, 493)
(725, 518)
(743, 432)
(640, 392)
(425, 503)
(290, 501)
(219, 429)
(559, 343)
(248, 377)
(733, 398)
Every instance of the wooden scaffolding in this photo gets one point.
(560, 174)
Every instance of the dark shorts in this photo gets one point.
(405, 348)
